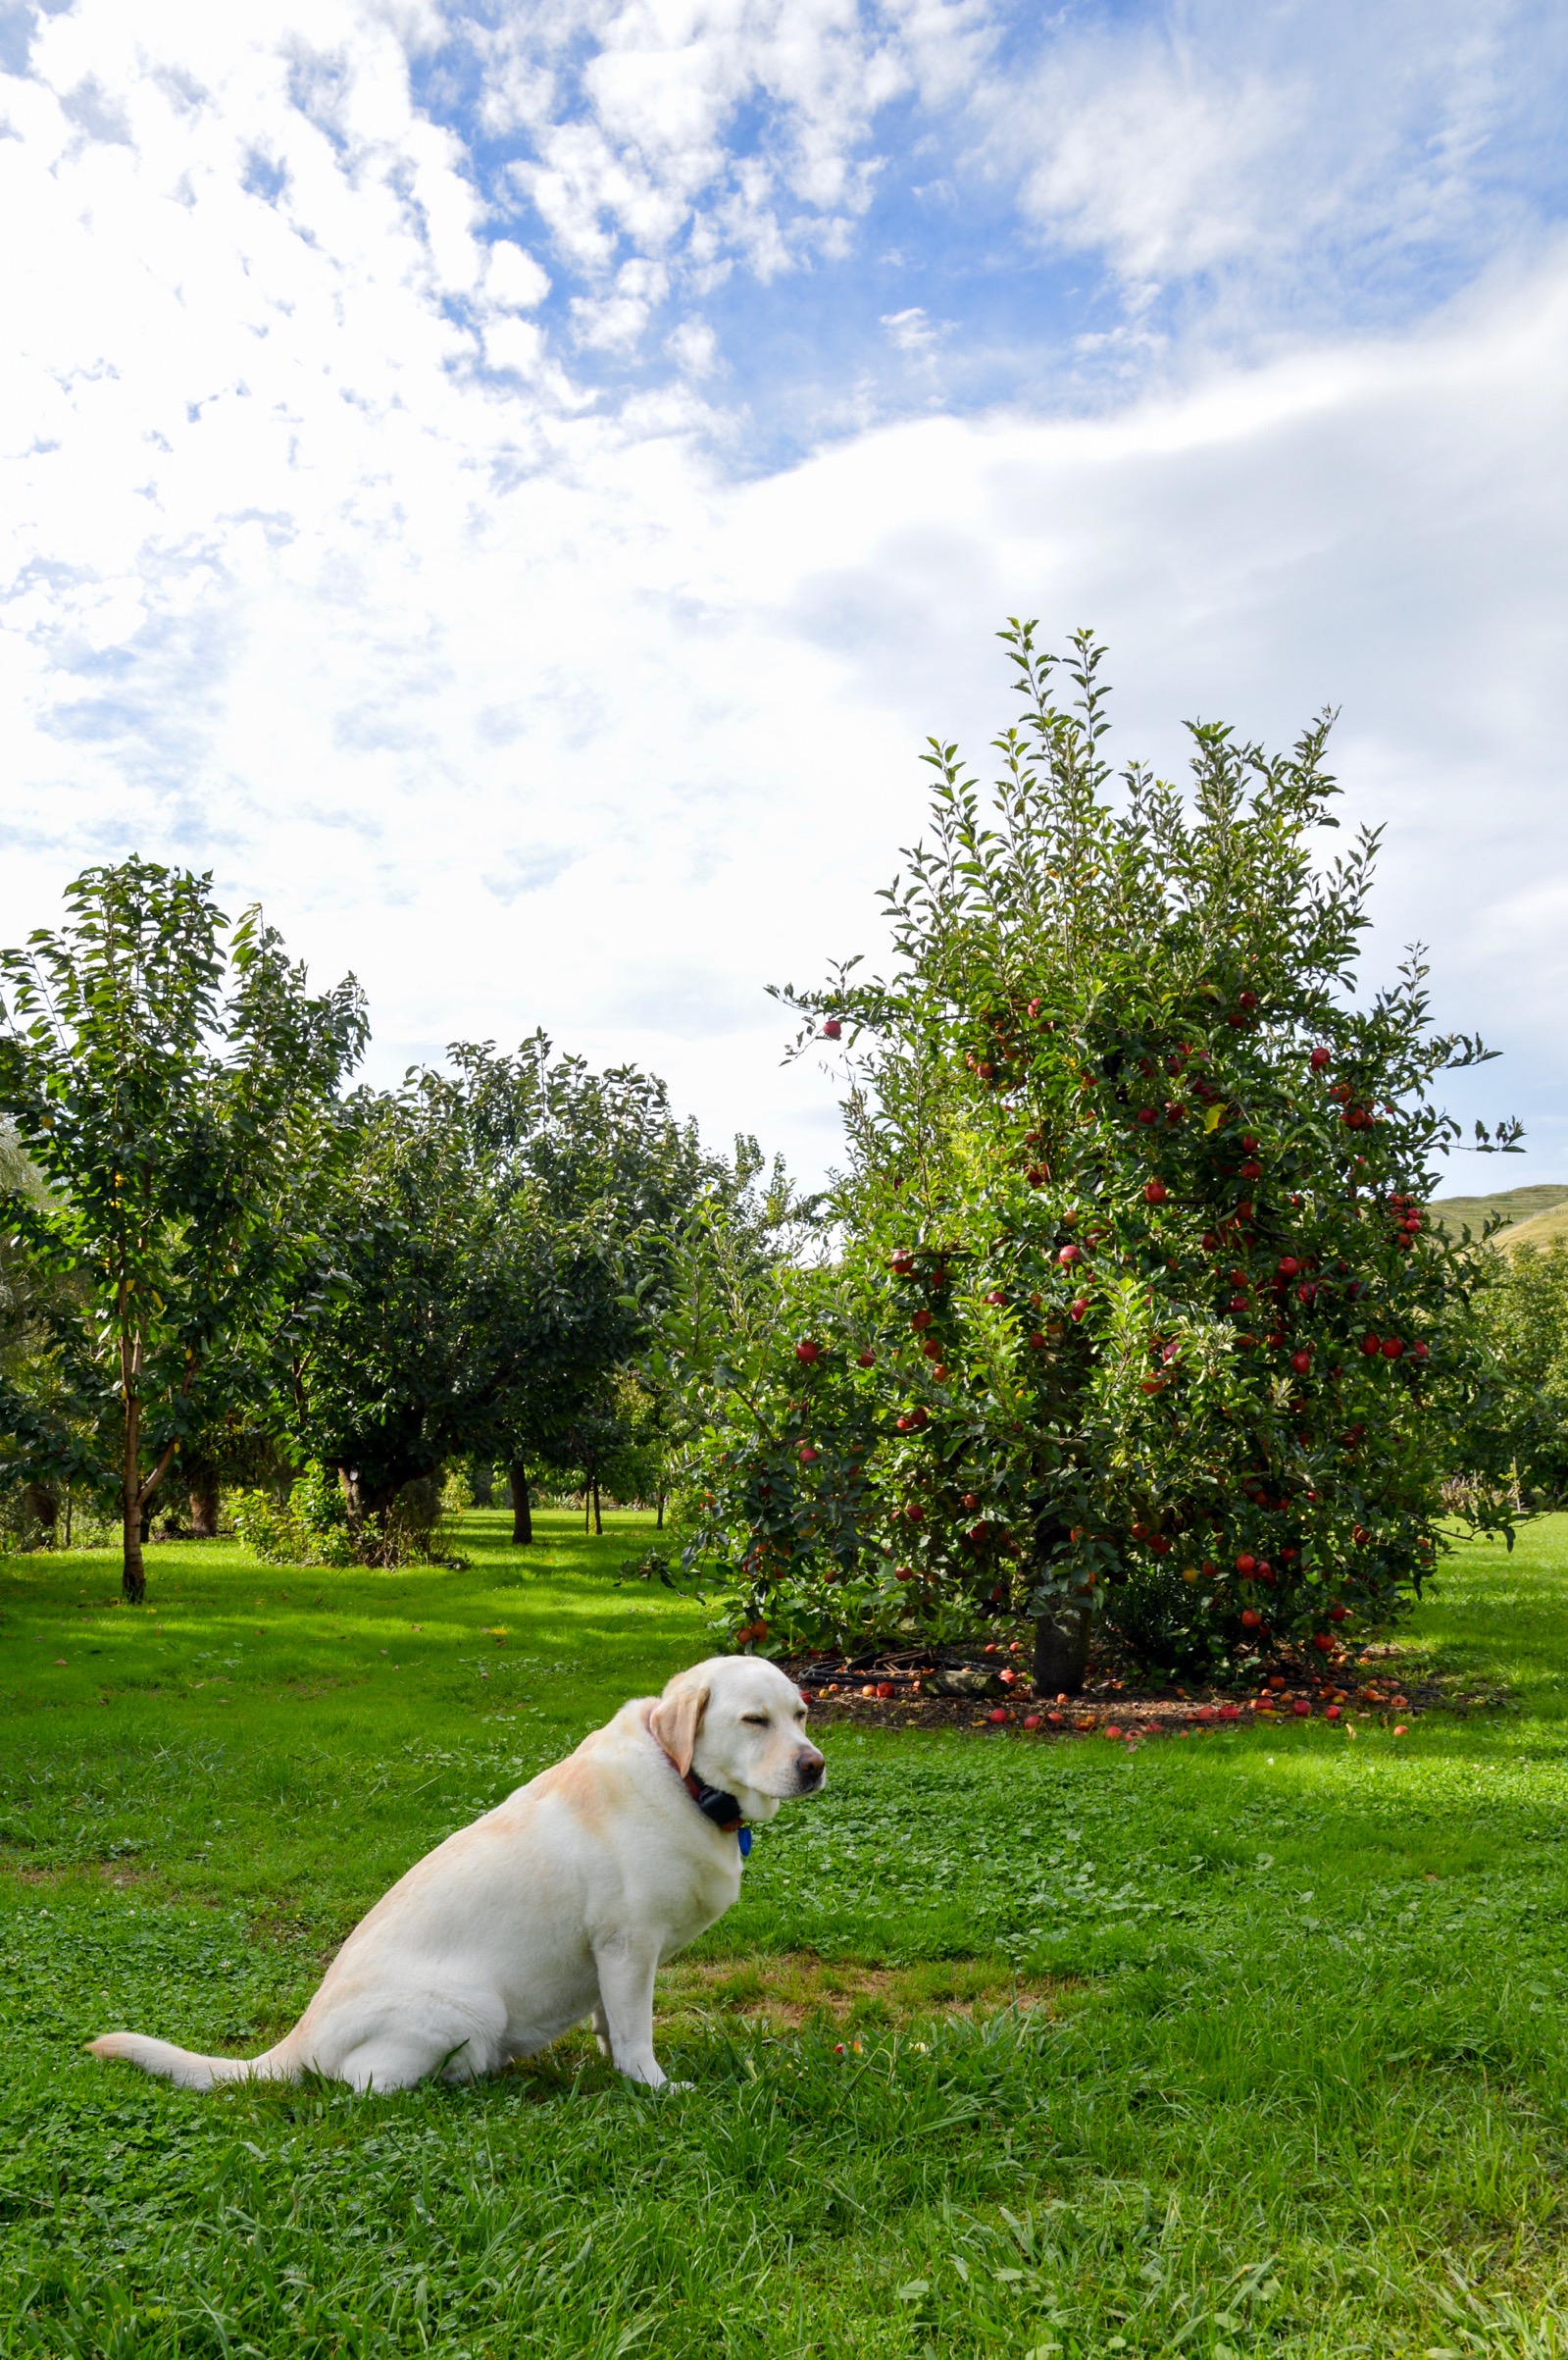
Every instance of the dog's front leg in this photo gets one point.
(601, 2029)
(625, 2010)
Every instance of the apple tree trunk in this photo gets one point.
(43, 1504)
(521, 1509)
(204, 1512)
(1061, 1651)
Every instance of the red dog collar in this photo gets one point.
(722, 1809)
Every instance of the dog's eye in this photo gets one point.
(755, 1721)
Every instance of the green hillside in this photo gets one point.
(1542, 1229)
(1517, 1206)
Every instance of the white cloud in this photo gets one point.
(1156, 164)
(694, 347)
(631, 151)
(1301, 140)
(911, 331)
(510, 699)
(512, 343)
(512, 277)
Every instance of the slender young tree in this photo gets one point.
(173, 1083)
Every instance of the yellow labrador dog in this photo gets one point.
(559, 1904)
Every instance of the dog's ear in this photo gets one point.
(677, 1718)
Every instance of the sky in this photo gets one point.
(513, 490)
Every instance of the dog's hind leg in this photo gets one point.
(414, 2037)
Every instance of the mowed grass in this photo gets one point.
(1241, 2044)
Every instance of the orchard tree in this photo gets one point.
(389, 1360)
(492, 1258)
(1526, 1314)
(33, 1399)
(175, 1091)
(1136, 1310)
(599, 1174)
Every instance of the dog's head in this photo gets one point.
(742, 1727)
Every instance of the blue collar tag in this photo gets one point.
(744, 1839)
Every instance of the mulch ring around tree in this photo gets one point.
(990, 1690)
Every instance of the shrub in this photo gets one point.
(309, 1528)
(457, 1488)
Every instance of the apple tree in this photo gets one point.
(490, 1264)
(1134, 1309)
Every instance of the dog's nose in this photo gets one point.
(809, 1766)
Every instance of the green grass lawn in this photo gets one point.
(1238, 2044)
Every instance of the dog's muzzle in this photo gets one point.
(810, 1769)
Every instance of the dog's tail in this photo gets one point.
(190, 2071)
